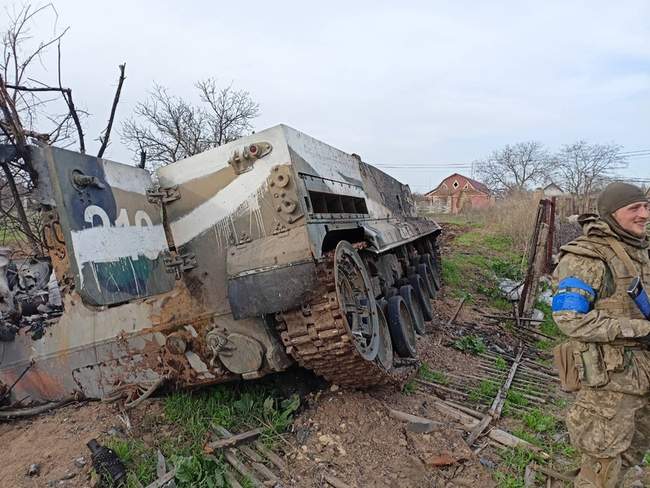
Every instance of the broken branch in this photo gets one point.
(234, 440)
(67, 96)
(116, 99)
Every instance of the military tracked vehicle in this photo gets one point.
(231, 264)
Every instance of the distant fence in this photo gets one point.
(572, 205)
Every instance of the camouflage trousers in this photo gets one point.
(612, 432)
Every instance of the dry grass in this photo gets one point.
(513, 217)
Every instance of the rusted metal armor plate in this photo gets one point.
(114, 236)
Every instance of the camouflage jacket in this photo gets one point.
(613, 315)
(605, 333)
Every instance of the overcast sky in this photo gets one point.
(410, 83)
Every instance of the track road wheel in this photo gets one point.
(337, 333)
(427, 280)
(401, 327)
(414, 307)
(433, 262)
(385, 353)
(355, 297)
(422, 296)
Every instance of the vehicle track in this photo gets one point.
(318, 338)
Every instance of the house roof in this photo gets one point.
(476, 184)
(553, 184)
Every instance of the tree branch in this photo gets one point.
(116, 99)
(67, 96)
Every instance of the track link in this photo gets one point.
(318, 338)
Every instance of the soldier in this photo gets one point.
(609, 422)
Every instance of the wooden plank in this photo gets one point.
(529, 476)
(414, 423)
(161, 465)
(160, 482)
(252, 455)
(498, 435)
(266, 473)
(553, 474)
(235, 440)
(271, 456)
(230, 456)
(456, 312)
(232, 481)
(499, 400)
(440, 387)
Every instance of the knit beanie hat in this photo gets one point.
(618, 195)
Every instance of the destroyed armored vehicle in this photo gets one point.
(231, 264)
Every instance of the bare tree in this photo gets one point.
(31, 109)
(167, 128)
(515, 167)
(231, 111)
(583, 168)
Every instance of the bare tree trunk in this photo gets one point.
(20, 209)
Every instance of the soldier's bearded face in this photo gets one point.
(633, 218)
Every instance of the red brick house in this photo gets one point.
(457, 193)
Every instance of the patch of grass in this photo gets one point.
(544, 344)
(567, 450)
(426, 373)
(194, 415)
(451, 275)
(409, 388)
(498, 242)
(548, 327)
(486, 388)
(506, 480)
(538, 421)
(646, 459)
(516, 459)
(505, 268)
(528, 437)
(560, 402)
(516, 398)
(139, 460)
(500, 364)
(501, 303)
(470, 343)
(469, 239)
(199, 471)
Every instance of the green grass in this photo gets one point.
(548, 327)
(507, 480)
(193, 417)
(506, 268)
(481, 260)
(517, 398)
(470, 239)
(538, 421)
(513, 467)
(528, 437)
(139, 459)
(500, 364)
(561, 402)
(470, 343)
(485, 389)
(409, 388)
(451, 273)
(544, 344)
(426, 373)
